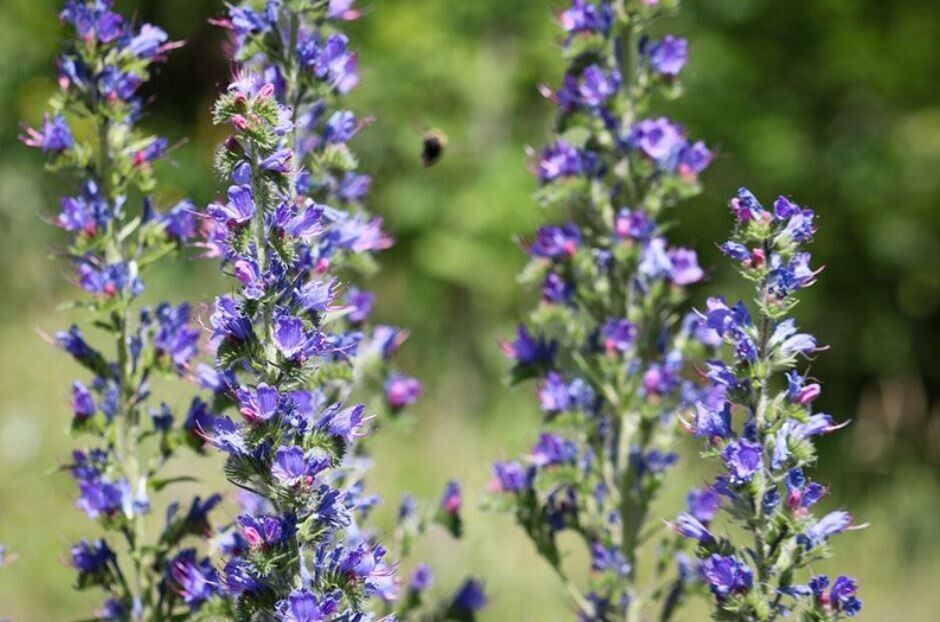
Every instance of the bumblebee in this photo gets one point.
(433, 146)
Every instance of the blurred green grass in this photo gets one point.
(831, 101)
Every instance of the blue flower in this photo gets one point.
(668, 56)
(689, 526)
(91, 558)
(56, 135)
(711, 423)
(510, 477)
(659, 139)
(727, 575)
(556, 242)
(470, 598)
(744, 459)
(829, 525)
(562, 160)
(148, 42)
(552, 450)
(703, 504)
(584, 17)
(618, 335)
(422, 578)
(304, 606)
(195, 580)
(529, 350)
(240, 576)
(605, 559)
(238, 210)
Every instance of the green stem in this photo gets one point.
(127, 439)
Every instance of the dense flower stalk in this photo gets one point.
(295, 352)
(128, 435)
(763, 485)
(607, 342)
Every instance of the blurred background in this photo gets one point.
(834, 102)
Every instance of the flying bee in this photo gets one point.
(433, 146)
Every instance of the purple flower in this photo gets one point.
(689, 526)
(422, 578)
(798, 392)
(744, 459)
(83, 403)
(597, 86)
(240, 576)
(746, 207)
(633, 224)
(704, 504)
(659, 139)
(303, 606)
(290, 336)
(727, 575)
(736, 251)
(553, 394)
(470, 598)
(685, 268)
(100, 497)
(609, 559)
(180, 221)
(529, 350)
(452, 500)
(222, 434)
(509, 477)
(556, 290)
(341, 127)
(258, 404)
(788, 342)
(829, 525)
(361, 303)
(668, 56)
(56, 135)
(343, 423)
(552, 449)
(117, 85)
(402, 391)
(279, 161)
(91, 558)
(618, 335)
(713, 424)
(561, 160)
(148, 42)
(195, 580)
(176, 338)
(556, 242)
(239, 209)
(584, 17)
(264, 531)
(801, 493)
(290, 466)
(843, 596)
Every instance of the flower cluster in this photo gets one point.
(607, 342)
(295, 351)
(131, 436)
(763, 485)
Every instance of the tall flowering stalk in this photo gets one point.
(295, 352)
(607, 342)
(128, 435)
(764, 487)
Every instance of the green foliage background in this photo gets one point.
(834, 102)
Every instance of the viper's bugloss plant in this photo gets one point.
(128, 435)
(608, 342)
(295, 352)
(759, 423)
